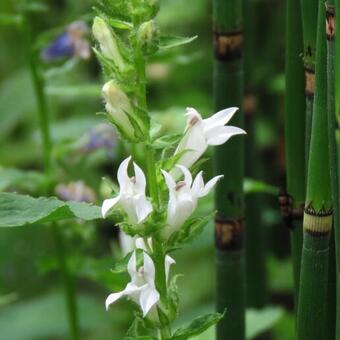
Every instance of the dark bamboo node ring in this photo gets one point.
(229, 233)
(289, 213)
(228, 45)
(330, 22)
(310, 81)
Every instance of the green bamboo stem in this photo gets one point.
(309, 10)
(256, 288)
(229, 160)
(330, 33)
(38, 85)
(336, 166)
(295, 107)
(317, 223)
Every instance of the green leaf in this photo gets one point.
(192, 228)
(252, 186)
(167, 140)
(167, 42)
(259, 321)
(120, 24)
(24, 180)
(19, 210)
(10, 19)
(173, 297)
(197, 326)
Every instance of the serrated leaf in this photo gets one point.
(167, 42)
(259, 321)
(197, 326)
(19, 210)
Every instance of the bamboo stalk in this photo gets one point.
(336, 165)
(229, 160)
(317, 223)
(309, 18)
(256, 288)
(330, 34)
(295, 107)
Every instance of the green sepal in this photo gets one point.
(173, 297)
(197, 326)
(120, 266)
(168, 163)
(191, 228)
(167, 42)
(166, 141)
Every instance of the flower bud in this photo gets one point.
(107, 41)
(118, 105)
(148, 37)
(144, 10)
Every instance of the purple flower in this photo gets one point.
(68, 44)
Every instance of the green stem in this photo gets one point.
(229, 161)
(294, 127)
(256, 273)
(69, 290)
(38, 83)
(317, 223)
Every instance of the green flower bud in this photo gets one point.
(144, 10)
(107, 42)
(148, 37)
(118, 105)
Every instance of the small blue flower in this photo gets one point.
(68, 44)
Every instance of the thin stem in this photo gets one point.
(40, 95)
(70, 297)
(38, 84)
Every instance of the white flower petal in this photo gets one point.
(148, 298)
(220, 118)
(108, 204)
(132, 266)
(198, 185)
(187, 175)
(122, 175)
(140, 184)
(168, 262)
(112, 298)
(191, 114)
(171, 184)
(210, 185)
(149, 269)
(222, 134)
(143, 208)
(127, 242)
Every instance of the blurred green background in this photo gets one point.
(31, 297)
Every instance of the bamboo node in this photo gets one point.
(330, 22)
(310, 81)
(228, 46)
(229, 234)
(317, 223)
(249, 105)
(289, 213)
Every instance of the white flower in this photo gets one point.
(118, 105)
(183, 197)
(107, 41)
(131, 196)
(141, 289)
(200, 133)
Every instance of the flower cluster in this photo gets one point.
(156, 209)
